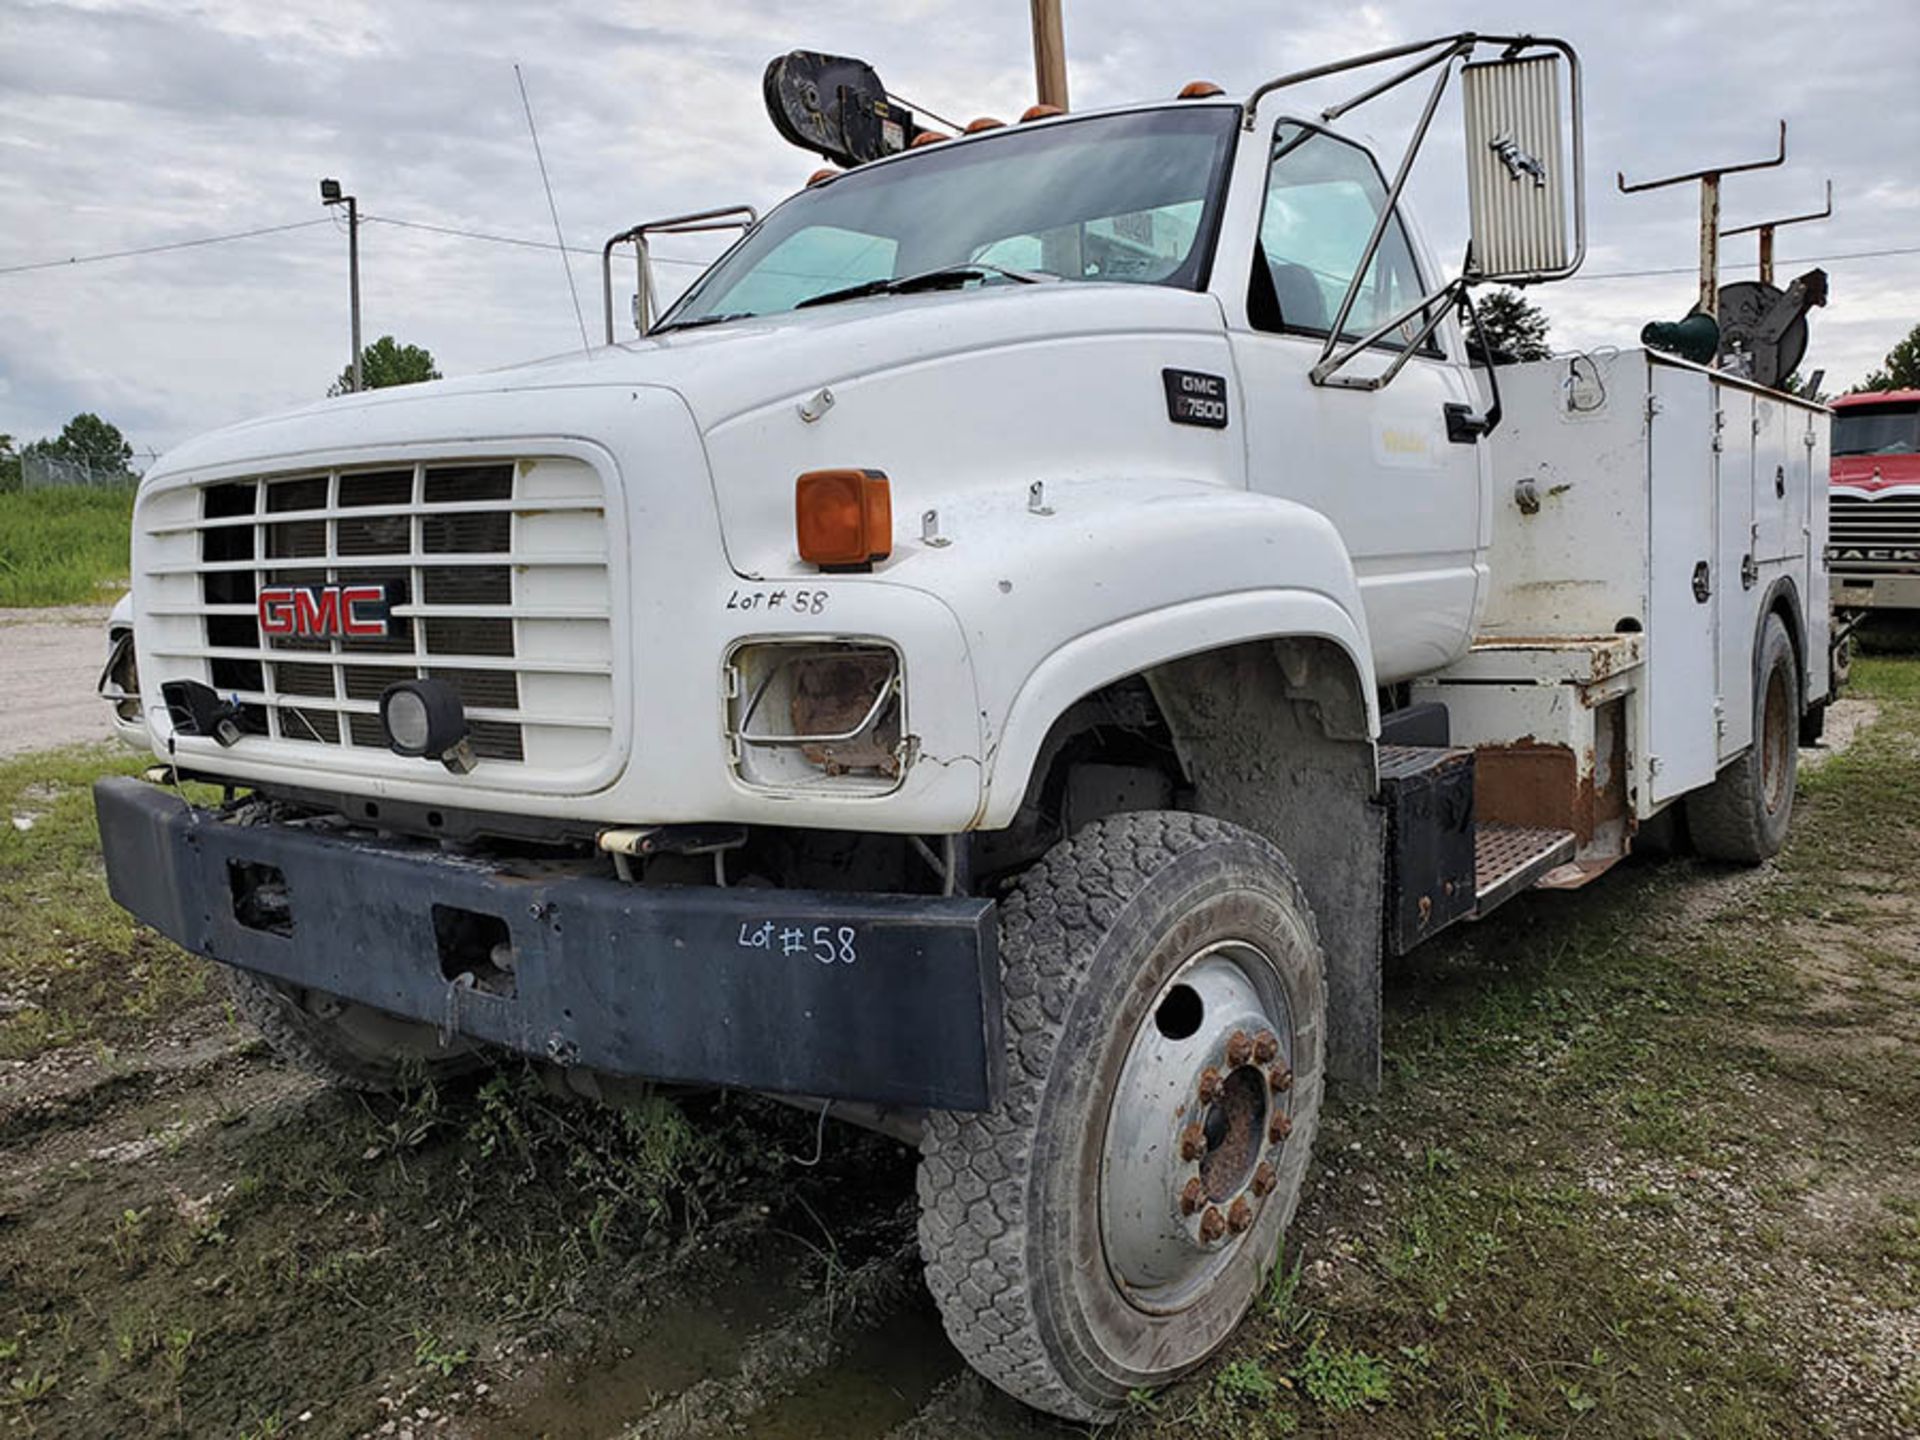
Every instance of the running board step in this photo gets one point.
(1509, 858)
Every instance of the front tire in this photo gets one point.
(350, 1046)
(1107, 1225)
(1743, 816)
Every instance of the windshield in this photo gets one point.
(1877, 430)
(1113, 197)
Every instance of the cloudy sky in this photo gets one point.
(126, 124)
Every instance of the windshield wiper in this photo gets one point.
(946, 277)
(718, 317)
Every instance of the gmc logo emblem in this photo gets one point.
(329, 612)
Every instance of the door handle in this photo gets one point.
(1464, 427)
(1702, 582)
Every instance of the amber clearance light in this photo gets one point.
(843, 518)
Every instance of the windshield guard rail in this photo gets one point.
(725, 217)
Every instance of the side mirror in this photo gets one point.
(1525, 168)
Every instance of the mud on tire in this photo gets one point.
(1068, 1270)
(345, 1044)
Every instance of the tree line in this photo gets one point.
(86, 440)
(95, 445)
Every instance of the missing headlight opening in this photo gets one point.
(803, 713)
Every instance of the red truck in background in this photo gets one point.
(1873, 549)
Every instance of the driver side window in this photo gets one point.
(1324, 196)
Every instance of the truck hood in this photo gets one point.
(727, 370)
(952, 394)
(1872, 474)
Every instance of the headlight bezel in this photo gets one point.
(856, 741)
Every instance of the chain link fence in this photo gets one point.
(46, 472)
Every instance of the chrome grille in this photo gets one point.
(1873, 537)
(496, 573)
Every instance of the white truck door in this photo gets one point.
(1681, 689)
(1378, 464)
(1733, 597)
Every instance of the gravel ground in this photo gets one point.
(51, 659)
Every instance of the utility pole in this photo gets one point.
(330, 195)
(1767, 227)
(1709, 303)
(1049, 53)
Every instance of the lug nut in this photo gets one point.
(1239, 1048)
(1266, 1045)
(1280, 1128)
(1193, 1197)
(1212, 1224)
(1193, 1143)
(1210, 1085)
(1265, 1179)
(1279, 1079)
(1240, 1216)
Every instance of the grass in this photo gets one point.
(1644, 1155)
(1646, 1162)
(74, 968)
(64, 546)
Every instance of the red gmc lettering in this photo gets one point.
(321, 611)
(276, 612)
(351, 624)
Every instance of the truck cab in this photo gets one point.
(1874, 555)
(1006, 659)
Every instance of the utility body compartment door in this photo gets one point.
(1680, 746)
(1735, 568)
(1779, 486)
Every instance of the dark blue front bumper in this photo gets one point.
(889, 999)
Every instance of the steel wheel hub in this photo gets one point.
(1199, 1116)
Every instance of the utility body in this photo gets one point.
(990, 660)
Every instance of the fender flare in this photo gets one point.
(1783, 592)
(1127, 647)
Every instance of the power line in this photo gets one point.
(519, 240)
(159, 249)
(1808, 260)
(658, 259)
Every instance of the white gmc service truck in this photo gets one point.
(1005, 658)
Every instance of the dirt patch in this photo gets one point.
(1846, 718)
(51, 659)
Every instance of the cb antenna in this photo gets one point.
(586, 345)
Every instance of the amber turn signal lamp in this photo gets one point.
(843, 518)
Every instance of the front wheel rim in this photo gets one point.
(1196, 1127)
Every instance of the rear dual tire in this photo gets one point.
(1106, 1226)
